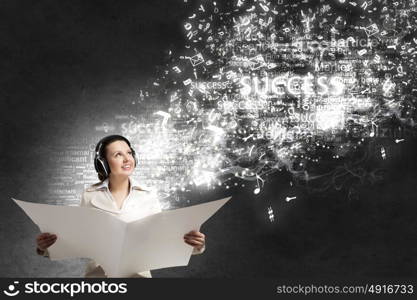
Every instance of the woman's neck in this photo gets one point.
(118, 183)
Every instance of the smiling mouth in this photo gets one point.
(128, 167)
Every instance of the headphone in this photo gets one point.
(100, 162)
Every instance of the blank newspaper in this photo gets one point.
(121, 247)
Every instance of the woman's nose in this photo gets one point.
(126, 158)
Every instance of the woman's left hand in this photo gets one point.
(195, 239)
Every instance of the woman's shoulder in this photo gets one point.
(93, 193)
(145, 190)
(139, 186)
(99, 186)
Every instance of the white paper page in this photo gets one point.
(121, 248)
(81, 232)
(156, 241)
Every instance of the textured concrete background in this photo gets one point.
(67, 65)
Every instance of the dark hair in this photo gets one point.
(100, 162)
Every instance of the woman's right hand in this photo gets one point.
(45, 240)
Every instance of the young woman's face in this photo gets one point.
(120, 158)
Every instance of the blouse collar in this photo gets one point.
(106, 203)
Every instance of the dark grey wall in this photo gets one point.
(66, 66)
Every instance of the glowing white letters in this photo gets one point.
(295, 85)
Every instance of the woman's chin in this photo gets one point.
(124, 173)
(127, 172)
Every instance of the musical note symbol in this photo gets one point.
(189, 121)
(288, 199)
(374, 129)
(258, 177)
(271, 214)
(383, 154)
(248, 137)
(258, 188)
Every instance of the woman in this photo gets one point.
(117, 193)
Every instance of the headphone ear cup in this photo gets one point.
(101, 166)
(96, 164)
(104, 166)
